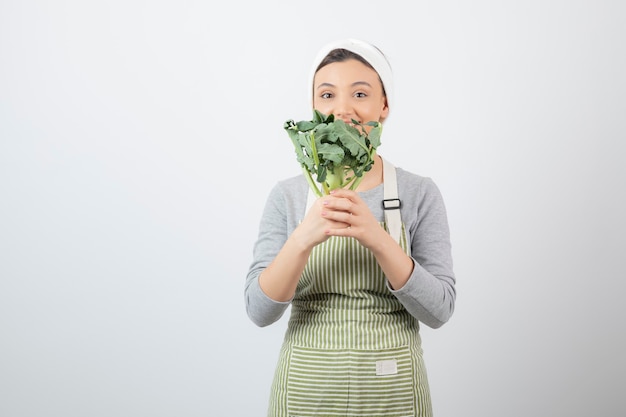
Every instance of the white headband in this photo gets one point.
(368, 52)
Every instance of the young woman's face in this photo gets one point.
(349, 90)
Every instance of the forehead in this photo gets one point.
(346, 72)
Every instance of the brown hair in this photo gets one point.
(342, 55)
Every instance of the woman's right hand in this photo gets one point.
(280, 279)
(312, 230)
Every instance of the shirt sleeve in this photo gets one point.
(273, 232)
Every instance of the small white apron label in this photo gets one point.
(387, 367)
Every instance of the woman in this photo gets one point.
(358, 286)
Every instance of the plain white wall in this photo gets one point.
(139, 139)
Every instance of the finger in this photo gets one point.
(341, 204)
(336, 216)
(346, 230)
(344, 193)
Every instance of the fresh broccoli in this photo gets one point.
(337, 154)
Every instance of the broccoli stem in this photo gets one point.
(310, 180)
(316, 160)
(358, 180)
(334, 178)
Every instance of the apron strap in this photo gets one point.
(310, 199)
(391, 202)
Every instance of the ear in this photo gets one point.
(385, 111)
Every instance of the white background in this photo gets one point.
(138, 142)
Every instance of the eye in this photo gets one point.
(360, 94)
(326, 95)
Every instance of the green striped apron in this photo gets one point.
(350, 349)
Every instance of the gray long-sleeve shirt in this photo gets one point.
(429, 294)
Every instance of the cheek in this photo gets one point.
(321, 107)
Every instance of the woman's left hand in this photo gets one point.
(347, 207)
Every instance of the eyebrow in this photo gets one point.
(354, 84)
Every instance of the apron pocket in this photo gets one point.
(349, 382)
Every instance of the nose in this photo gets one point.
(342, 108)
